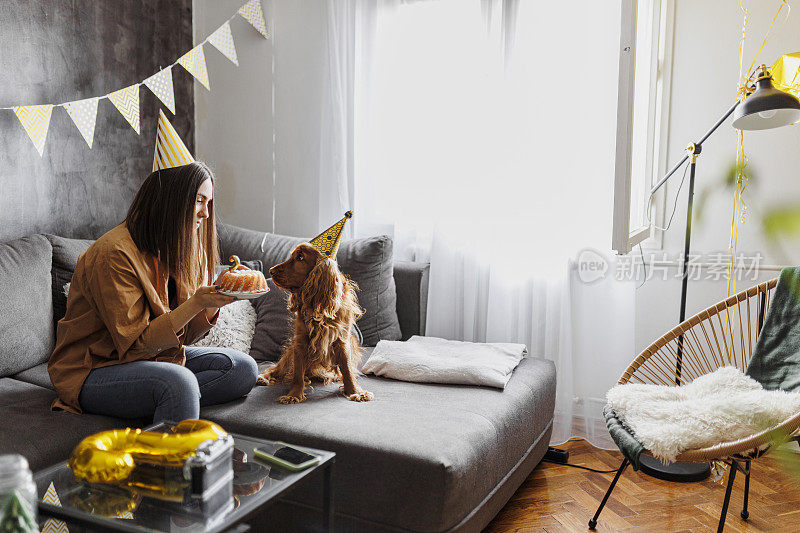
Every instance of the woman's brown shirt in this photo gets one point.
(117, 312)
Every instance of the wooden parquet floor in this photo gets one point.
(557, 498)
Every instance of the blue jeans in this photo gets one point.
(166, 391)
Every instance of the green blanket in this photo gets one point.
(627, 443)
(775, 362)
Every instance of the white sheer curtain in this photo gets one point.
(496, 165)
(336, 120)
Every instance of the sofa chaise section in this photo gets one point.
(420, 456)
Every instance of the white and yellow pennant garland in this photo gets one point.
(161, 85)
(195, 62)
(36, 118)
(252, 13)
(84, 114)
(222, 39)
(127, 102)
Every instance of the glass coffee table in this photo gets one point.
(256, 485)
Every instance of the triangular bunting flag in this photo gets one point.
(84, 114)
(51, 496)
(195, 62)
(55, 526)
(327, 242)
(222, 39)
(127, 515)
(127, 101)
(170, 150)
(36, 121)
(161, 85)
(251, 11)
(52, 525)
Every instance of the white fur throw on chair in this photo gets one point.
(722, 406)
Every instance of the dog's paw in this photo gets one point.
(358, 396)
(289, 399)
(362, 396)
(266, 378)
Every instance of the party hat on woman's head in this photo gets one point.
(170, 150)
(327, 242)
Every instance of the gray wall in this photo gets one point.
(238, 134)
(55, 51)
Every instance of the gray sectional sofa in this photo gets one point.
(420, 457)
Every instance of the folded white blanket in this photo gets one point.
(722, 406)
(434, 360)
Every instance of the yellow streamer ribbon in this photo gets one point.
(739, 211)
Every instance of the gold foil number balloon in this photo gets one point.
(111, 456)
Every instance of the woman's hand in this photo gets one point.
(205, 300)
(207, 296)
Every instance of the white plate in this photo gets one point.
(249, 295)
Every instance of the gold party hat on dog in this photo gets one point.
(327, 242)
(170, 150)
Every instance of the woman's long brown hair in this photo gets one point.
(161, 223)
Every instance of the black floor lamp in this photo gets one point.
(766, 108)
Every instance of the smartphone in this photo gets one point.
(285, 456)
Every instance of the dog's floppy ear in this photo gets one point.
(322, 293)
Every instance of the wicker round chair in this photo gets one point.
(724, 334)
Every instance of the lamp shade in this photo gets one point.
(767, 107)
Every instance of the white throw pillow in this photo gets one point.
(234, 328)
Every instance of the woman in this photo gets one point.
(139, 294)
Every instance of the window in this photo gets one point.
(642, 103)
(450, 136)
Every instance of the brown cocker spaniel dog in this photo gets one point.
(325, 307)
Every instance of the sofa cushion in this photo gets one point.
(43, 436)
(444, 447)
(273, 324)
(411, 280)
(37, 375)
(65, 257)
(367, 261)
(26, 327)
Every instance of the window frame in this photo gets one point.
(624, 238)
